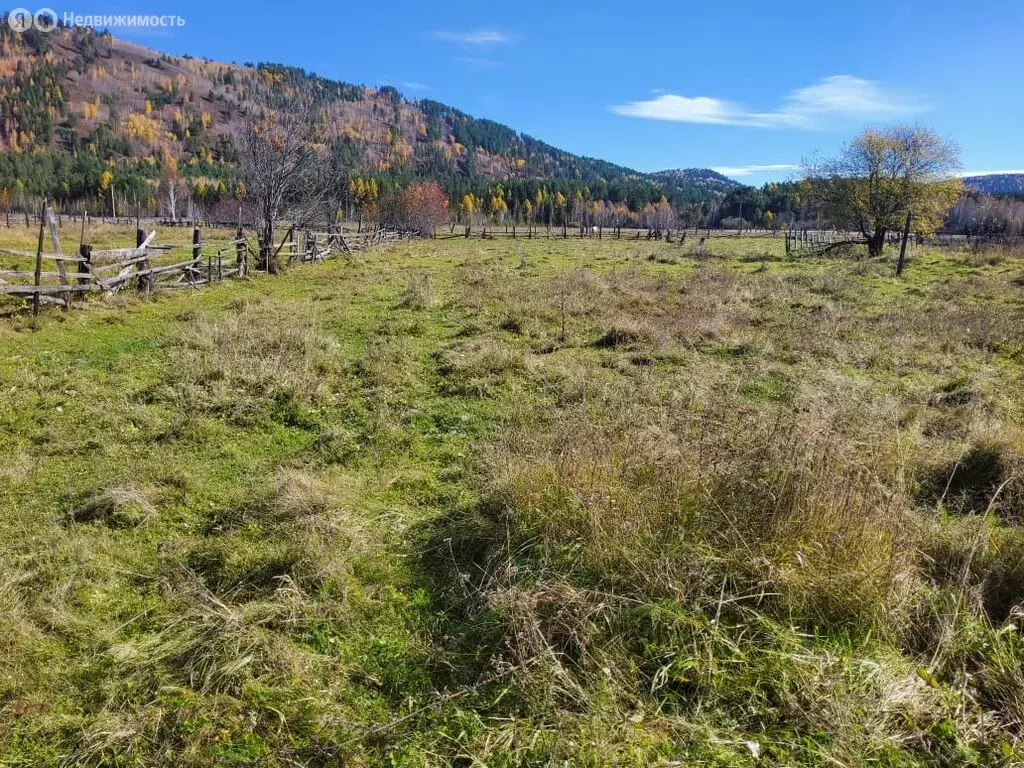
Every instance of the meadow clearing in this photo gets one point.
(521, 502)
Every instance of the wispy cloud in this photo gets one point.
(749, 170)
(843, 97)
(478, 38)
(964, 174)
(478, 62)
(410, 85)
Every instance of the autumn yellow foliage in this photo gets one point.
(142, 127)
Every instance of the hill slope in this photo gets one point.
(94, 96)
(699, 178)
(997, 183)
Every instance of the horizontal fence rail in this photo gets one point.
(149, 267)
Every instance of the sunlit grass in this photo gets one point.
(520, 502)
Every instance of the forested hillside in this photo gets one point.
(997, 184)
(82, 112)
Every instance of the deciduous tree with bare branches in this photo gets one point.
(285, 175)
(881, 177)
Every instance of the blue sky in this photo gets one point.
(734, 86)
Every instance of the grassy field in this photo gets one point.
(100, 235)
(508, 503)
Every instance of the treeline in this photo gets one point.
(785, 205)
(94, 176)
(85, 180)
(980, 214)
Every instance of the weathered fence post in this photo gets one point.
(197, 249)
(39, 261)
(85, 265)
(240, 252)
(143, 265)
(903, 246)
(54, 226)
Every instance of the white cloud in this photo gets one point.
(414, 86)
(964, 174)
(748, 170)
(683, 109)
(481, 38)
(835, 97)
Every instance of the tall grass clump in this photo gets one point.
(260, 360)
(707, 560)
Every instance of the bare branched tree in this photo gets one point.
(884, 176)
(285, 176)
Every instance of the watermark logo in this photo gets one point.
(20, 20)
(46, 20)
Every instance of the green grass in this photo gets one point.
(101, 235)
(745, 511)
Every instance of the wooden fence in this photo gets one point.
(575, 231)
(150, 267)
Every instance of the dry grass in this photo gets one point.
(124, 506)
(763, 483)
(418, 294)
(257, 353)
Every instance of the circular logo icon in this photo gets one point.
(46, 19)
(20, 19)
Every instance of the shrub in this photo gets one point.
(420, 208)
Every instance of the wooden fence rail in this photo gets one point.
(120, 269)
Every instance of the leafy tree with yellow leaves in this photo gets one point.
(106, 179)
(883, 176)
(468, 206)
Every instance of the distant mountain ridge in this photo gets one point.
(997, 183)
(702, 178)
